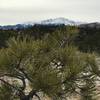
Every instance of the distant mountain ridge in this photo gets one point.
(60, 20)
(55, 21)
(91, 25)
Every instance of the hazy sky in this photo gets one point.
(19, 11)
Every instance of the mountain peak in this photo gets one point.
(58, 21)
(55, 21)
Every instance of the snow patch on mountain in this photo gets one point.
(60, 20)
(55, 21)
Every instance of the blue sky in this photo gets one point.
(19, 11)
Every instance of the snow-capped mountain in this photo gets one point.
(60, 20)
(56, 21)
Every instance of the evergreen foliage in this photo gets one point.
(51, 65)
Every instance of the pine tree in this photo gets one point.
(52, 66)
